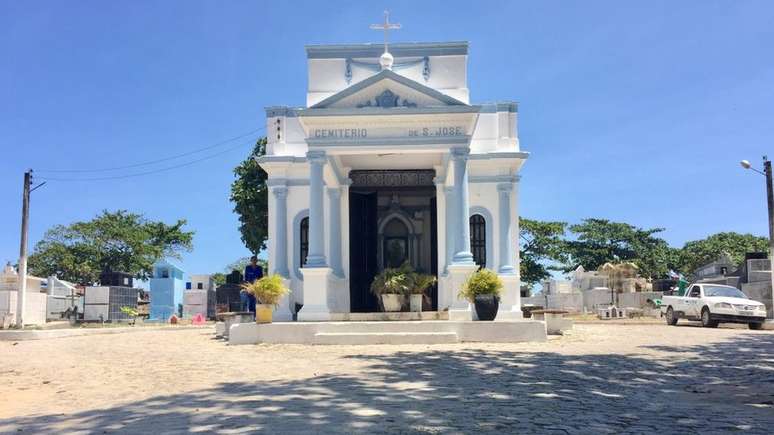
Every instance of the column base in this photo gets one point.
(283, 313)
(460, 309)
(316, 262)
(464, 257)
(316, 286)
(510, 299)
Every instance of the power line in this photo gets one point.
(151, 162)
(139, 174)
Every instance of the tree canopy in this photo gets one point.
(599, 241)
(697, 253)
(541, 244)
(119, 241)
(250, 197)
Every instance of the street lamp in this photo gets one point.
(770, 199)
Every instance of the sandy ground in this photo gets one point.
(74, 380)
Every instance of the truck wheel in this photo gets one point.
(671, 319)
(706, 320)
(755, 326)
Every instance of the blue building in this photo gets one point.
(166, 290)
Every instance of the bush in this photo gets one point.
(481, 282)
(267, 290)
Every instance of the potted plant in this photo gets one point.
(482, 289)
(267, 291)
(131, 313)
(418, 284)
(391, 287)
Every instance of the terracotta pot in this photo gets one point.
(392, 302)
(416, 302)
(263, 313)
(486, 306)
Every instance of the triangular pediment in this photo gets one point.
(387, 89)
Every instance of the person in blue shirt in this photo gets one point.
(253, 272)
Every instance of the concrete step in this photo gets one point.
(396, 326)
(385, 338)
(398, 316)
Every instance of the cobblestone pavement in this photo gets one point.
(598, 379)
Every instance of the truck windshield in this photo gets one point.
(729, 292)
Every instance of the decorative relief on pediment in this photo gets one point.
(349, 63)
(387, 99)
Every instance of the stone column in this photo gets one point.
(280, 235)
(334, 200)
(449, 197)
(506, 253)
(510, 300)
(462, 264)
(462, 254)
(316, 256)
(316, 272)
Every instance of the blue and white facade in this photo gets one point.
(389, 161)
(166, 290)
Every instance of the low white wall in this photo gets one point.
(34, 307)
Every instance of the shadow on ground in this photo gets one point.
(727, 386)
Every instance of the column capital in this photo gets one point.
(505, 187)
(277, 182)
(334, 192)
(280, 192)
(316, 156)
(460, 153)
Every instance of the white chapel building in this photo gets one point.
(389, 161)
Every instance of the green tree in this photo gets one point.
(119, 241)
(700, 252)
(250, 197)
(541, 245)
(599, 241)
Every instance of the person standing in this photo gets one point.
(253, 272)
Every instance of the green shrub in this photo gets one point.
(481, 282)
(129, 311)
(267, 290)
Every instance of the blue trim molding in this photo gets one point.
(415, 49)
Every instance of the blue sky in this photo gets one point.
(633, 111)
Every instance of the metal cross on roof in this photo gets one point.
(386, 27)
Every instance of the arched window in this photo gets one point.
(304, 240)
(478, 239)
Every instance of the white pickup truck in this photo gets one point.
(712, 304)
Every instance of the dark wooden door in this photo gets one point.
(362, 251)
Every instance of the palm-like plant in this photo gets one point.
(391, 281)
(268, 290)
(420, 282)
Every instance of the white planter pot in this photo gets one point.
(416, 303)
(392, 302)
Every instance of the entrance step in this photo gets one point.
(385, 338)
(393, 317)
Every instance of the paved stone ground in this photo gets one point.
(598, 379)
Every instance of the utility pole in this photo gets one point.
(770, 198)
(21, 295)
